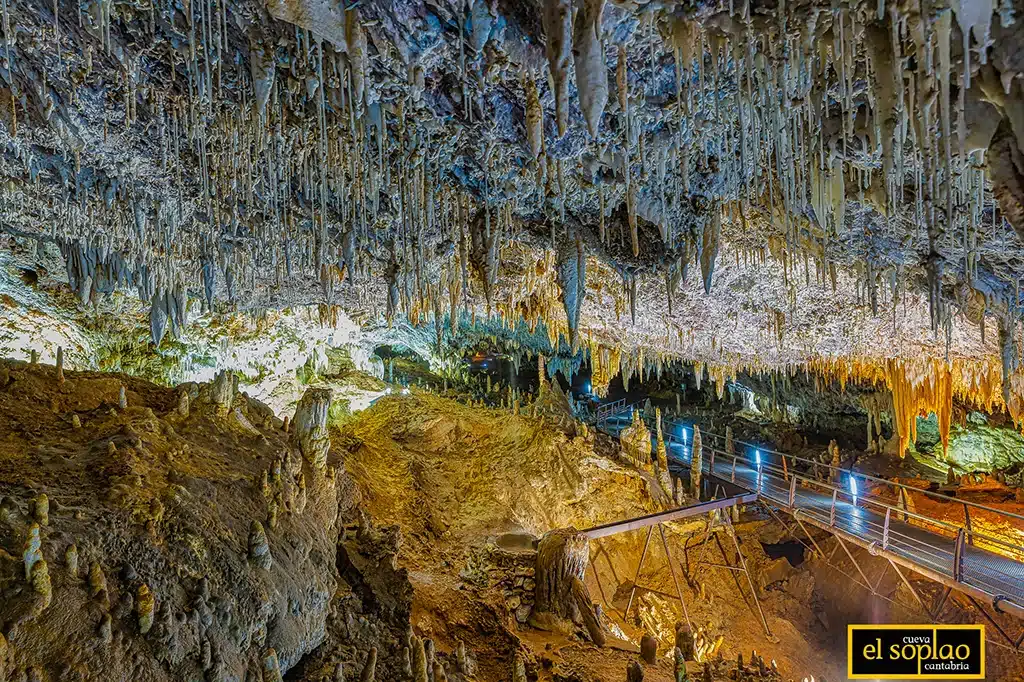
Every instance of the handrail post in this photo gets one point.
(711, 463)
(733, 469)
(967, 524)
(792, 492)
(958, 556)
(885, 530)
(832, 512)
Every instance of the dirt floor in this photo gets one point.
(184, 536)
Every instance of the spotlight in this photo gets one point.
(757, 460)
(405, 391)
(853, 489)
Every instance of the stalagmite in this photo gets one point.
(419, 661)
(97, 581)
(222, 390)
(71, 560)
(309, 427)
(369, 673)
(833, 450)
(259, 550)
(649, 649)
(41, 585)
(518, 668)
(462, 660)
(696, 463)
(560, 592)
(41, 510)
(271, 667)
(679, 664)
(145, 606)
(60, 364)
(105, 630)
(33, 552)
(664, 477)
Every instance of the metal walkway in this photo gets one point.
(877, 519)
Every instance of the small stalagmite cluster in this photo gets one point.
(146, 486)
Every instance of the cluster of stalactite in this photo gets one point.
(305, 152)
(913, 387)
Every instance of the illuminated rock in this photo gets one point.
(635, 441)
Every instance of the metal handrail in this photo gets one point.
(955, 563)
(865, 498)
(849, 472)
(611, 409)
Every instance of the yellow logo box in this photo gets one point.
(915, 652)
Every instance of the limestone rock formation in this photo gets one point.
(309, 427)
(190, 486)
(635, 441)
(649, 649)
(560, 594)
(696, 463)
(661, 459)
(259, 549)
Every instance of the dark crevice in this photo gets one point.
(792, 550)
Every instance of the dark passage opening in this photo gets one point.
(791, 549)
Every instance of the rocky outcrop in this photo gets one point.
(635, 440)
(560, 595)
(166, 507)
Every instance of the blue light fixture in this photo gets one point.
(757, 458)
(853, 489)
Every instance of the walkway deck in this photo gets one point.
(948, 554)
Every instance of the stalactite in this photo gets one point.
(556, 18)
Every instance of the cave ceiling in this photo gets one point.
(750, 184)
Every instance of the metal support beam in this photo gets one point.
(750, 581)
(909, 586)
(672, 569)
(815, 542)
(885, 569)
(639, 566)
(856, 565)
(941, 602)
(1013, 643)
